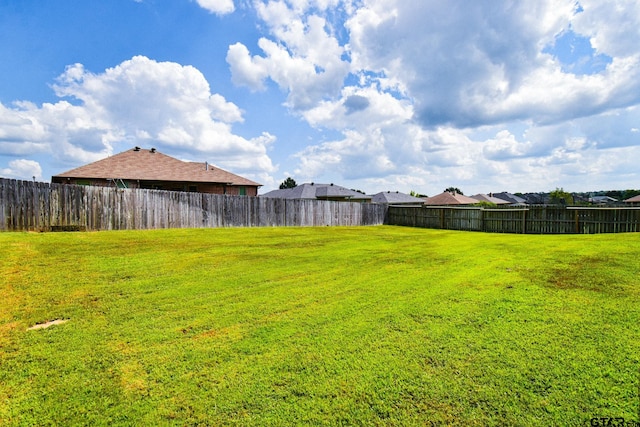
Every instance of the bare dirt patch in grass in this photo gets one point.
(47, 324)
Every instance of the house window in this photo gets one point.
(242, 191)
(83, 182)
(193, 188)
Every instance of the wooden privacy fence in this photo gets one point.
(38, 206)
(529, 220)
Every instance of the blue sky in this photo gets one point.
(370, 94)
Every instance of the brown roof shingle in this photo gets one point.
(151, 165)
(447, 198)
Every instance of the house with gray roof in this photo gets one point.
(511, 198)
(489, 199)
(397, 198)
(602, 200)
(313, 191)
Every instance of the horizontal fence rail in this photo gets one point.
(39, 206)
(529, 220)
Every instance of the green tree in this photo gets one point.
(484, 204)
(627, 194)
(454, 190)
(560, 197)
(615, 194)
(416, 194)
(288, 183)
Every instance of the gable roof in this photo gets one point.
(602, 199)
(511, 198)
(317, 191)
(635, 199)
(488, 198)
(394, 197)
(151, 165)
(448, 198)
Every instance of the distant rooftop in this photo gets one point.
(490, 199)
(449, 198)
(313, 191)
(635, 199)
(395, 197)
(511, 198)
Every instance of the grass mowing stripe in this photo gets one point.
(347, 325)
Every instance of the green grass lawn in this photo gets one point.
(318, 326)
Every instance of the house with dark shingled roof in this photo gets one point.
(511, 198)
(142, 168)
(489, 199)
(312, 191)
(397, 198)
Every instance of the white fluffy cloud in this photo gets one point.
(504, 146)
(22, 169)
(453, 93)
(306, 61)
(611, 26)
(138, 102)
(467, 64)
(219, 7)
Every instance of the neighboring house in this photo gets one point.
(511, 198)
(447, 198)
(580, 198)
(635, 199)
(396, 198)
(602, 200)
(141, 168)
(314, 191)
(489, 199)
(536, 198)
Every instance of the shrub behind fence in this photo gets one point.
(38, 206)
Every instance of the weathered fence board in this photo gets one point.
(36, 206)
(529, 220)
(607, 220)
